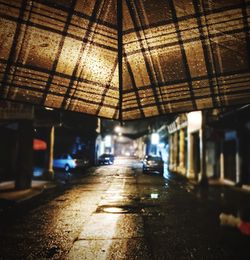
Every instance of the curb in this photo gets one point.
(9, 195)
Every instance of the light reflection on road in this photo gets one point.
(116, 212)
(127, 161)
(96, 237)
(115, 228)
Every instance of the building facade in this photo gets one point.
(211, 145)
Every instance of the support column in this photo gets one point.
(24, 169)
(203, 179)
(48, 171)
(171, 152)
(176, 155)
(190, 156)
(222, 165)
(182, 152)
(238, 162)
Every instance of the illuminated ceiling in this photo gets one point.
(175, 56)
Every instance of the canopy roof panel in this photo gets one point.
(177, 55)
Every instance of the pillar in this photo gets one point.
(203, 177)
(24, 169)
(176, 155)
(169, 152)
(190, 156)
(238, 162)
(173, 151)
(182, 151)
(48, 171)
(222, 166)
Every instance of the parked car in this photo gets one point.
(106, 159)
(153, 164)
(69, 162)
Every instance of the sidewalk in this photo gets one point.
(9, 195)
(8, 192)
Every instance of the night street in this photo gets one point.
(124, 129)
(116, 212)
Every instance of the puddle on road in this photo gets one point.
(121, 209)
(119, 197)
(124, 209)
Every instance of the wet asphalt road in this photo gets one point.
(116, 212)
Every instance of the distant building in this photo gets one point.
(212, 144)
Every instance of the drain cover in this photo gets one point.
(117, 209)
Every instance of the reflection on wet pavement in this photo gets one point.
(143, 211)
(113, 226)
(116, 212)
(138, 215)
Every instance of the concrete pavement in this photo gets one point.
(8, 192)
(116, 212)
(38, 185)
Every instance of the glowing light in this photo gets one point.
(155, 138)
(107, 141)
(118, 129)
(154, 195)
(114, 210)
(161, 145)
(39, 145)
(194, 121)
(48, 108)
(122, 161)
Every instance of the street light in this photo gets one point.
(194, 121)
(155, 138)
(118, 129)
(107, 141)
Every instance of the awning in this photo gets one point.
(149, 58)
